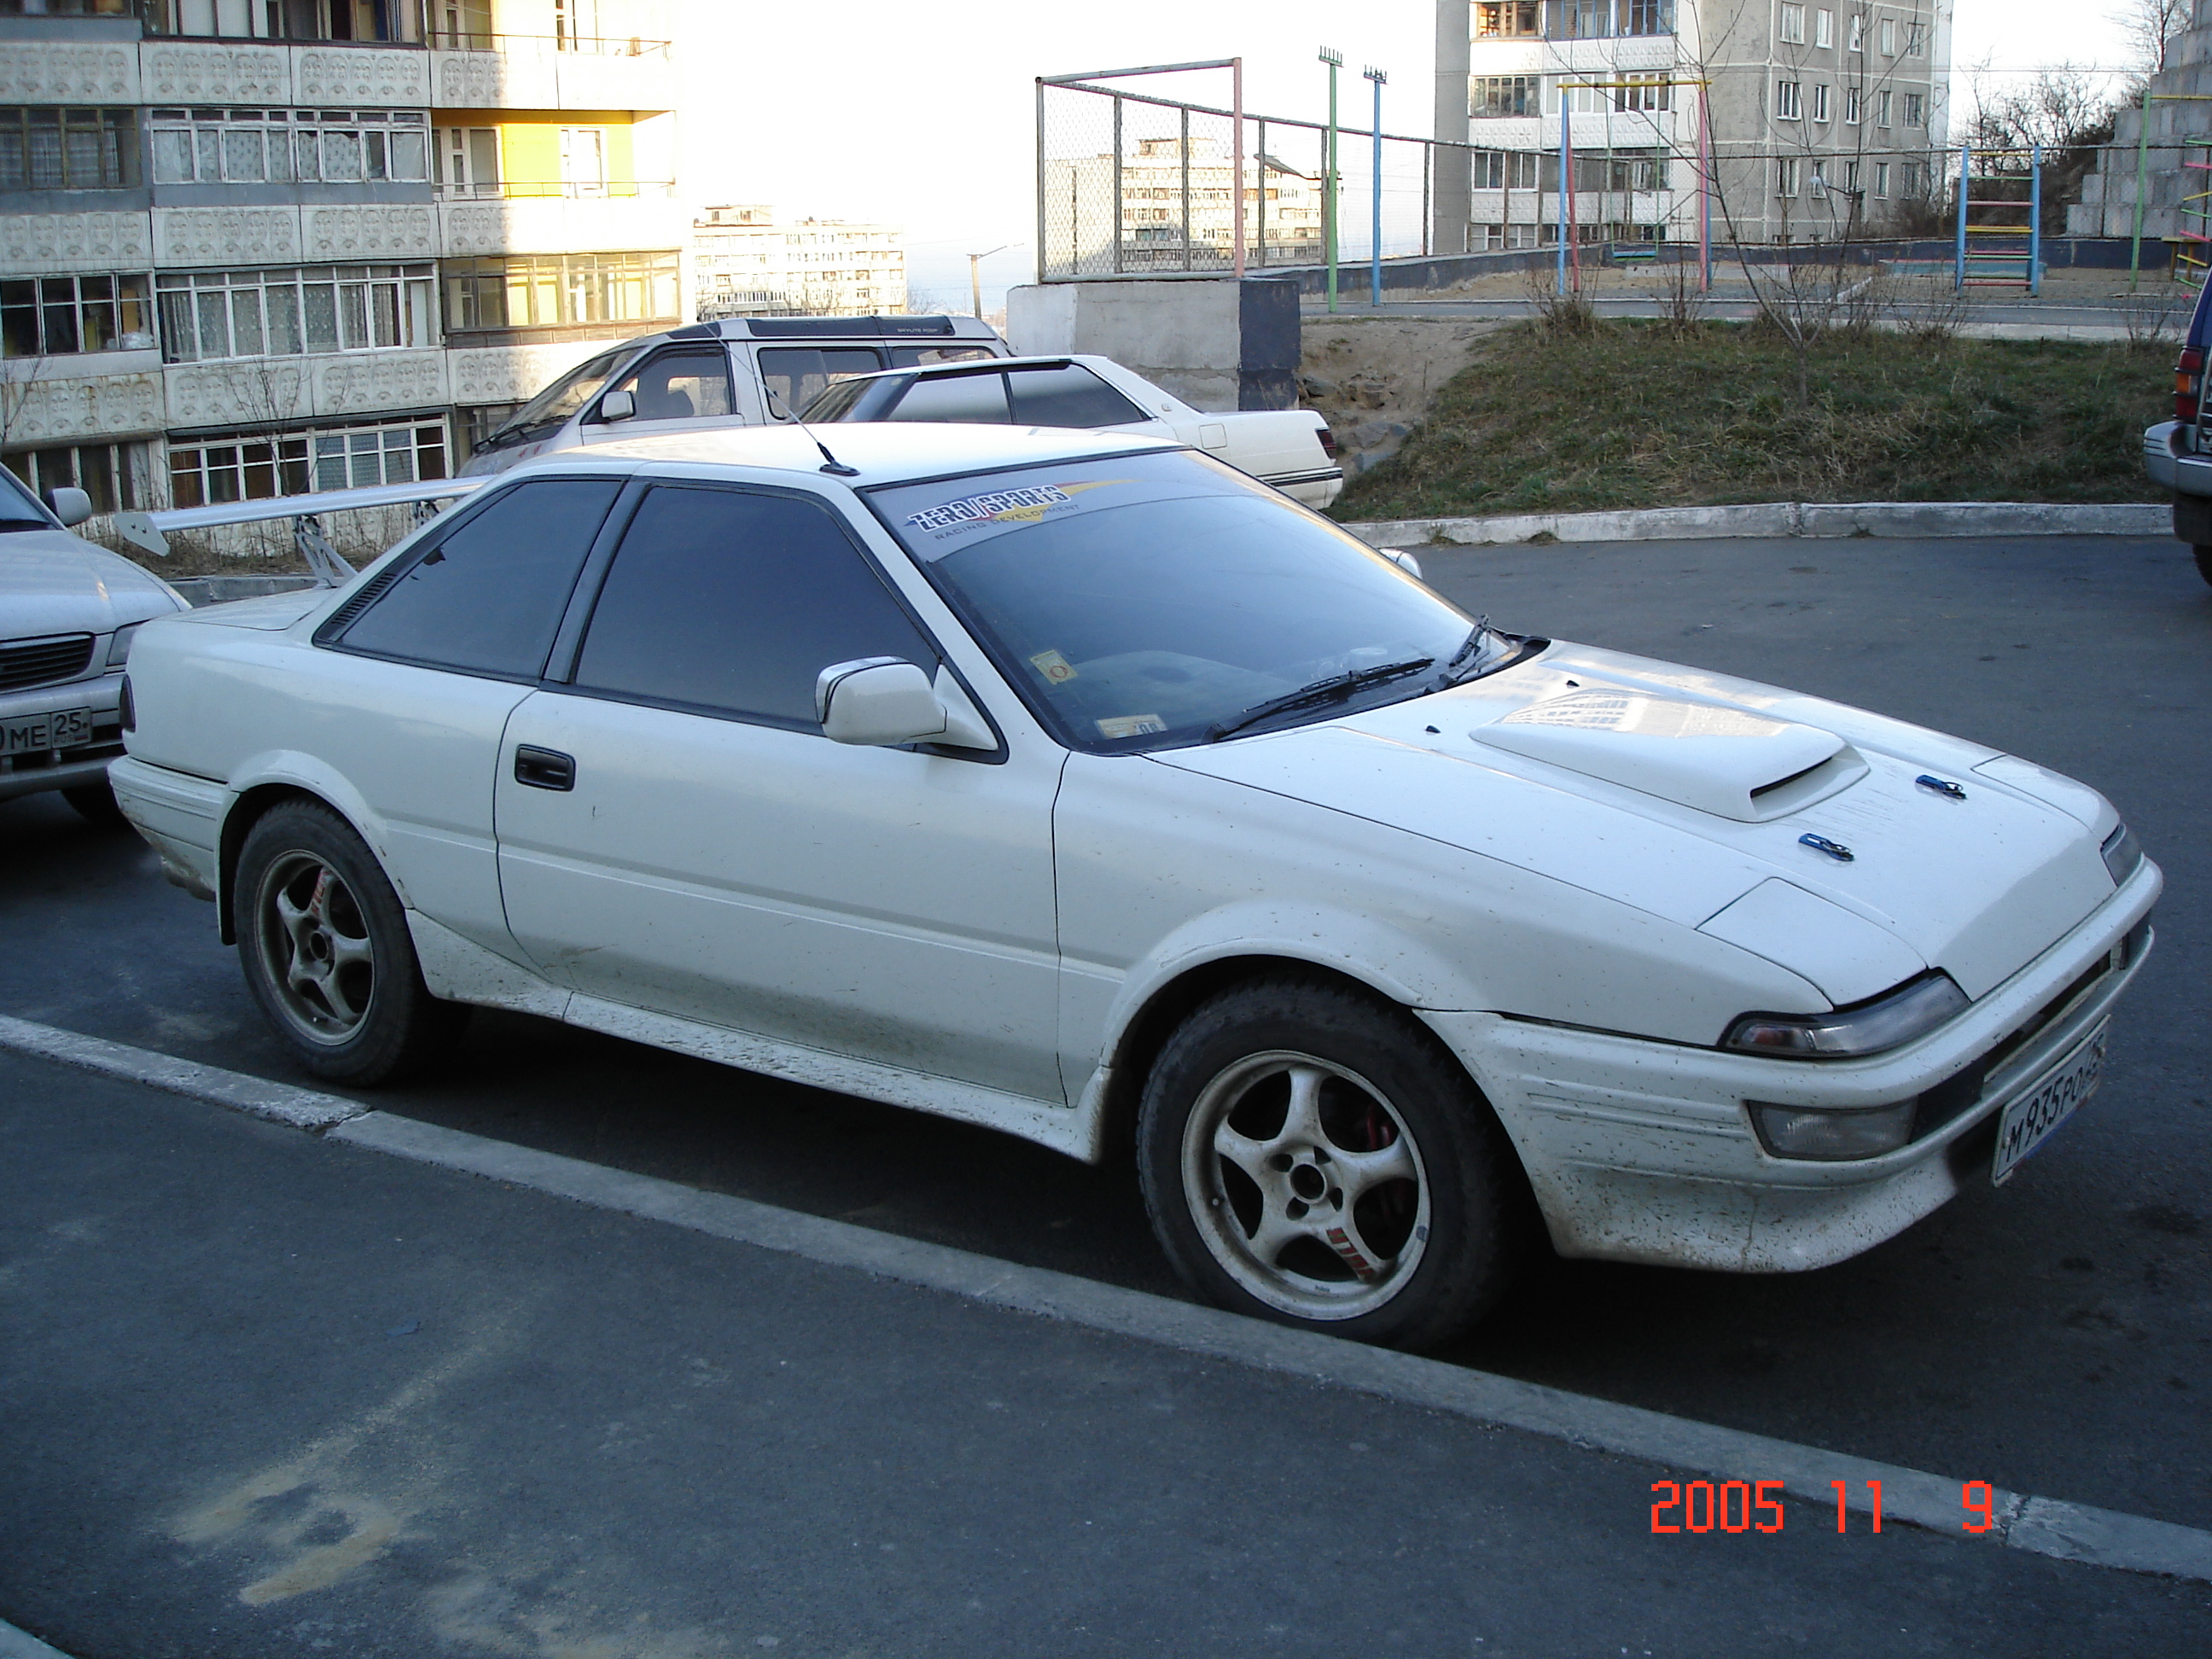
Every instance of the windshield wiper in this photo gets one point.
(1335, 688)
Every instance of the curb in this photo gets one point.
(1779, 520)
(221, 590)
(2041, 1526)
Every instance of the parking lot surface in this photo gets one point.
(2050, 1336)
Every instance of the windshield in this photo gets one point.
(17, 510)
(558, 403)
(1154, 600)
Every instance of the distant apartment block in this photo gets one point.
(1165, 204)
(747, 264)
(1824, 120)
(250, 247)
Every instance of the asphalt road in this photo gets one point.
(2051, 1337)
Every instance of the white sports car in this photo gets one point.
(1086, 788)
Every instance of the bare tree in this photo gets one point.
(2148, 26)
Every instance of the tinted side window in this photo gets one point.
(677, 386)
(968, 398)
(799, 374)
(1072, 396)
(487, 599)
(735, 603)
(922, 357)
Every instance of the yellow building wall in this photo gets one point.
(530, 149)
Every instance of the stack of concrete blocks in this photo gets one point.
(2181, 107)
(1218, 344)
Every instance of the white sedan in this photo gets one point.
(1085, 789)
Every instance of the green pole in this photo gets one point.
(1335, 59)
(2143, 177)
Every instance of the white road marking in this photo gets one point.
(2044, 1526)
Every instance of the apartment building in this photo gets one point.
(254, 247)
(1821, 120)
(1165, 204)
(747, 264)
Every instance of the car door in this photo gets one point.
(679, 388)
(426, 662)
(677, 835)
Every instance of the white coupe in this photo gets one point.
(1085, 787)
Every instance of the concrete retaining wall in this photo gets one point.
(1782, 519)
(1215, 342)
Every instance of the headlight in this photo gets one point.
(1894, 1018)
(1832, 1137)
(2123, 854)
(118, 648)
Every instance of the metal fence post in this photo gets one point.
(1189, 247)
(1966, 177)
(1115, 207)
(2035, 220)
(2142, 187)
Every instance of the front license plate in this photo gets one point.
(58, 728)
(2047, 1103)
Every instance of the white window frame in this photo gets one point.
(1916, 109)
(1821, 100)
(1788, 177)
(1789, 101)
(1855, 37)
(1852, 107)
(1824, 27)
(275, 310)
(1819, 185)
(1881, 178)
(1916, 40)
(1889, 36)
(1792, 25)
(290, 146)
(1881, 110)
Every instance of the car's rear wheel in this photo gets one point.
(1310, 1156)
(95, 804)
(2203, 560)
(324, 942)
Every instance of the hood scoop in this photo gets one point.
(1727, 762)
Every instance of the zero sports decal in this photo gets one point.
(1025, 505)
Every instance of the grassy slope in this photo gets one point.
(1635, 415)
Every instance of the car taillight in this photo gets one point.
(1328, 443)
(2188, 386)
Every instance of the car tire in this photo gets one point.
(324, 942)
(1259, 1112)
(2203, 560)
(95, 804)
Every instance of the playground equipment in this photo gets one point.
(2004, 247)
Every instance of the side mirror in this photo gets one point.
(619, 406)
(1405, 560)
(879, 702)
(70, 505)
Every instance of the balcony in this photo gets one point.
(555, 217)
(544, 71)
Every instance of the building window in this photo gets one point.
(209, 315)
(1889, 36)
(1881, 109)
(1580, 20)
(1647, 16)
(480, 421)
(113, 475)
(576, 25)
(1786, 173)
(1507, 20)
(1916, 40)
(1505, 94)
(1850, 106)
(1855, 39)
(1824, 29)
(1819, 181)
(287, 20)
(1576, 94)
(254, 468)
(1793, 24)
(543, 291)
(1881, 177)
(1789, 103)
(584, 162)
(461, 25)
(1916, 108)
(279, 146)
(1506, 169)
(1642, 92)
(55, 316)
(471, 161)
(1851, 177)
(46, 148)
(1821, 101)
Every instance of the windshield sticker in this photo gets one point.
(1130, 725)
(1025, 505)
(1056, 669)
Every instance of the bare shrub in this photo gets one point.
(2154, 318)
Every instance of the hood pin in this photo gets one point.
(1841, 853)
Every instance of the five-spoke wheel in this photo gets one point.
(1311, 1155)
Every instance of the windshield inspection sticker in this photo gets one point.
(1130, 725)
(1056, 669)
(1023, 506)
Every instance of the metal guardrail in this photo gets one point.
(149, 531)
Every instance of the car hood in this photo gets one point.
(1687, 795)
(52, 582)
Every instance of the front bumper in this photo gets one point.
(1645, 1152)
(65, 768)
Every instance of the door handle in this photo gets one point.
(543, 768)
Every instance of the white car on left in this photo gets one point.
(68, 613)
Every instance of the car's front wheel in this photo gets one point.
(2203, 560)
(1310, 1156)
(324, 942)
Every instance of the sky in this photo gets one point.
(925, 117)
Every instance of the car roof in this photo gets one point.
(973, 366)
(883, 451)
(804, 331)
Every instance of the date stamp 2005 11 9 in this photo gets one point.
(1756, 1506)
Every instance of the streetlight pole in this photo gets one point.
(975, 276)
(1375, 247)
(1335, 59)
